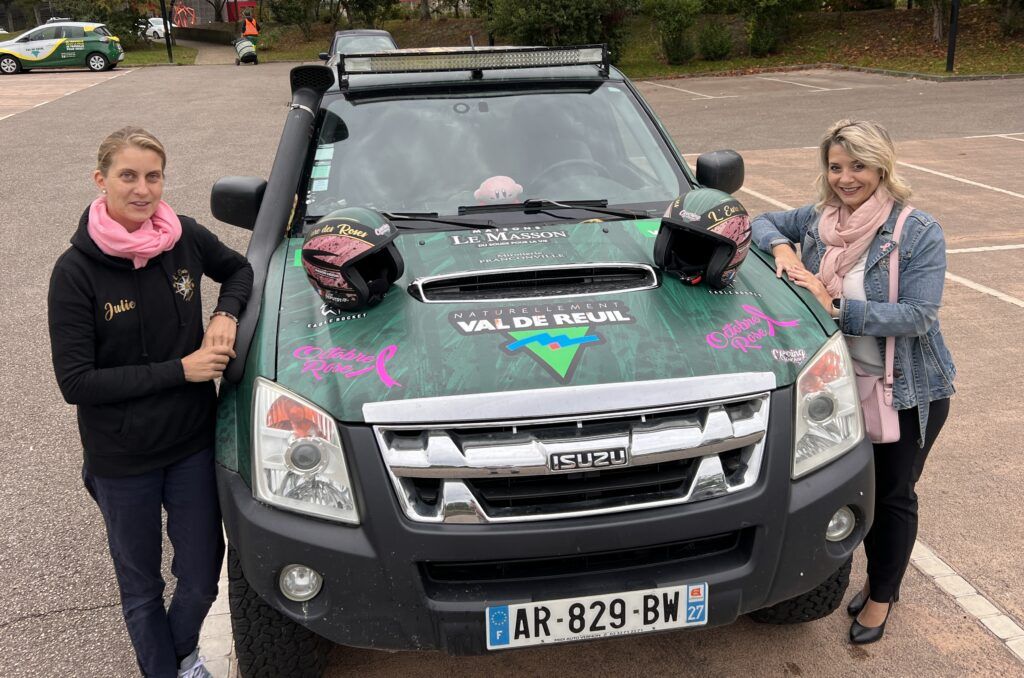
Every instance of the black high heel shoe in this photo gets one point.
(857, 603)
(862, 635)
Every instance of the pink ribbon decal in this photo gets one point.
(348, 362)
(746, 333)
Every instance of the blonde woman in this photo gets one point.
(129, 350)
(846, 238)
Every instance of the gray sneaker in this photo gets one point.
(193, 666)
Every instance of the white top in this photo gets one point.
(863, 350)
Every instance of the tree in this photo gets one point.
(218, 8)
(122, 17)
(372, 12)
(424, 10)
(559, 22)
(295, 13)
(940, 17)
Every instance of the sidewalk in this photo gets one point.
(210, 53)
(215, 641)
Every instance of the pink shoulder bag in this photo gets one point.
(881, 419)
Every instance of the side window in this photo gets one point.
(48, 33)
(101, 30)
(73, 33)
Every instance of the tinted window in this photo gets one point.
(431, 154)
(101, 30)
(73, 32)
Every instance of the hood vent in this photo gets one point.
(541, 282)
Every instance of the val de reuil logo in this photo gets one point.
(554, 335)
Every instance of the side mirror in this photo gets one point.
(722, 170)
(237, 200)
(324, 56)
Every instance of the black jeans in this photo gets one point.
(131, 512)
(898, 467)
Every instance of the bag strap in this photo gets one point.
(894, 291)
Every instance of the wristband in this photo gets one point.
(225, 314)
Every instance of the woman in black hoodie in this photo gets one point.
(129, 350)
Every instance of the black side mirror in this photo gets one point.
(722, 170)
(236, 200)
(324, 56)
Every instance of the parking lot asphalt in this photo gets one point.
(960, 144)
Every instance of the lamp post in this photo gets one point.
(167, 30)
(954, 15)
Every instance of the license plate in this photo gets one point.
(614, 614)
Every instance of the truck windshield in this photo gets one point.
(436, 153)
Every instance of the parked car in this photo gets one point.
(153, 28)
(540, 434)
(359, 41)
(62, 44)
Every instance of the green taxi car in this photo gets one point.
(62, 44)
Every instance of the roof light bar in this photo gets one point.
(478, 59)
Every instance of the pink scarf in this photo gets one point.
(848, 236)
(157, 234)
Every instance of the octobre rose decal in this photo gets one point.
(347, 362)
(747, 332)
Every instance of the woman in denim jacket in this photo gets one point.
(846, 239)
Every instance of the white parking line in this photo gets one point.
(985, 290)
(770, 201)
(1007, 135)
(698, 94)
(802, 84)
(961, 180)
(989, 248)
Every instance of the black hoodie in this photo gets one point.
(118, 335)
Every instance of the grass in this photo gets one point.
(155, 53)
(897, 40)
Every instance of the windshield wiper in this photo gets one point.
(433, 217)
(541, 205)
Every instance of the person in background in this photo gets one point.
(250, 29)
(129, 350)
(846, 238)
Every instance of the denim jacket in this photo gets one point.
(923, 367)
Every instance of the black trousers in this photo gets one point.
(898, 467)
(187, 490)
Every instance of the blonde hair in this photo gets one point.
(123, 138)
(869, 143)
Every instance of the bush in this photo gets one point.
(560, 22)
(767, 21)
(675, 20)
(715, 40)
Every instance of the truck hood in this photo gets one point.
(405, 348)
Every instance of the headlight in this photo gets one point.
(298, 462)
(828, 420)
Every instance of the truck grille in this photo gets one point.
(576, 466)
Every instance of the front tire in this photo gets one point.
(9, 65)
(96, 62)
(267, 643)
(815, 604)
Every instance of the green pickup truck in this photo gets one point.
(538, 435)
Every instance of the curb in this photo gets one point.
(833, 67)
(215, 641)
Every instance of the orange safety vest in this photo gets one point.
(250, 27)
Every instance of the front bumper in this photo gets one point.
(394, 584)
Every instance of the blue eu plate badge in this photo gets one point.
(498, 625)
(697, 604)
